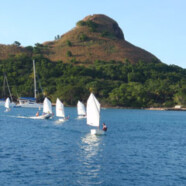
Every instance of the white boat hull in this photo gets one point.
(30, 105)
(7, 110)
(62, 119)
(97, 132)
(45, 116)
(81, 117)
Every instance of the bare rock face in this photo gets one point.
(106, 24)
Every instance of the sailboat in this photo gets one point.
(7, 104)
(47, 110)
(60, 111)
(93, 114)
(3, 100)
(30, 102)
(81, 110)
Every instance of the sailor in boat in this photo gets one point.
(44, 113)
(104, 127)
(67, 117)
(37, 114)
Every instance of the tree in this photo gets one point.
(69, 43)
(69, 53)
(83, 37)
(57, 37)
(81, 23)
(180, 97)
(17, 43)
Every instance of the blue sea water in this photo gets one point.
(141, 147)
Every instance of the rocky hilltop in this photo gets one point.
(96, 37)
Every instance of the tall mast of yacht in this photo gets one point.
(6, 81)
(35, 88)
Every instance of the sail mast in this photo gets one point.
(35, 89)
(6, 81)
(8, 88)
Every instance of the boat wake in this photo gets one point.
(25, 117)
(58, 122)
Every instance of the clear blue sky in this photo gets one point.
(158, 26)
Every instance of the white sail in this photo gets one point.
(47, 106)
(7, 103)
(93, 111)
(59, 108)
(81, 108)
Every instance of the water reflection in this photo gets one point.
(90, 145)
(90, 149)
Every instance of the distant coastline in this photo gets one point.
(167, 109)
(150, 108)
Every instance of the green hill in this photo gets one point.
(114, 83)
(93, 57)
(12, 50)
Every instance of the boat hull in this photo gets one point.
(45, 116)
(30, 105)
(97, 132)
(81, 117)
(7, 110)
(62, 119)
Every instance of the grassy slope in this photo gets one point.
(8, 50)
(97, 47)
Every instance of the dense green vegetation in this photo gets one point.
(114, 83)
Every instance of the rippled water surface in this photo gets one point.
(140, 148)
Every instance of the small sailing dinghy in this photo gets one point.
(60, 111)
(81, 110)
(47, 110)
(93, 114)
(3, 100)
(7, 104)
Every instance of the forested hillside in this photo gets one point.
(92, 57)
(114, 83)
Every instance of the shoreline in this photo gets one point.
(168, 109)
(150, 108)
